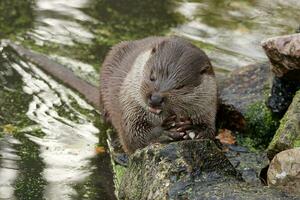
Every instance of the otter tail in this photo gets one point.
(59, 72)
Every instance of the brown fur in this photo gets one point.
(183, 76)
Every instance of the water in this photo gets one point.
(48, 134)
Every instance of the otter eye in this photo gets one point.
(179, 87)
(152, 77)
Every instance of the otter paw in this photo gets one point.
(183, 125)
(176, 135)
(164, 138)
(169, 123)
(190, 135)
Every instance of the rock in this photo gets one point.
(284, 171)
(248, 164)
(231, 190)
(192, 169)
(288, 134)
(282, 93)
(245, 86)
(247, 89)
(284, 55)
(160, 171)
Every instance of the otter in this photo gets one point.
(158, 89)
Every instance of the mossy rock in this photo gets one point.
(162, 171)
(247, 89)
(261, 125)
(245, 86)
(192, 169)
(288, 134)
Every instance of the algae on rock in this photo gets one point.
(288, 134)
(261, 124)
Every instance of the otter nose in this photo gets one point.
(156, 100)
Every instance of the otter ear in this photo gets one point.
(153, 50)
(207, 69)
(160, 44)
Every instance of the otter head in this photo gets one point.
(173, 77)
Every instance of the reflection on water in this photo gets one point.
(8, 168)
(61, 126)
(229, 31)
(67, 145)
(52, 28)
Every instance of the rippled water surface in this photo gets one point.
(48, 134)
(48, 139)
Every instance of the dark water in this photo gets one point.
(48, 134)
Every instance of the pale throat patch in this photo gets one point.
(139, 63)
(135, 75)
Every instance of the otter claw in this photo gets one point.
(192, 135)
(186, 137)
(176, 135)
(165, 138)
(169, 122)
(188, 122)
(169, 119)
(183, 128)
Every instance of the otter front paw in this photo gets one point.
(199, 132)
(176, 128)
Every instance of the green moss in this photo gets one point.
(261, 125)
(287, 135)
(16, 16)
(119, 173)
(297, 142)
(249, 143)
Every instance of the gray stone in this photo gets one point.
(245, 86)
(248, 164)
(284, 171)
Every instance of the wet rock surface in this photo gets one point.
(248, 164)
(288, 134)
(161, 171)
(193, 169)
(246, 90)
(245, 86)
(282, 93)
(284, 171)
